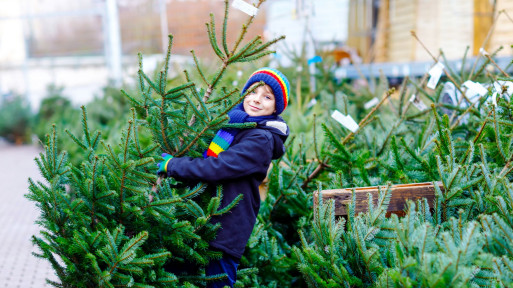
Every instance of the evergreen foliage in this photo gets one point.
(15, 118)
(449, 244)
(108, 221)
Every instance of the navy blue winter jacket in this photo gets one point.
(240, 169)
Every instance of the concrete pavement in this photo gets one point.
(18, 267)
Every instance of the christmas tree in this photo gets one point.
(110, 221)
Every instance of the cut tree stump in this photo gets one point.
(400, 194)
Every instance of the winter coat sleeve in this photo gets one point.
(252, 154)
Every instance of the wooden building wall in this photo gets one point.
(360, 27)
(187, 20)
(447, 25)
(65, 35)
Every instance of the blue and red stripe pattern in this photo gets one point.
(278, 83)
(220, 143)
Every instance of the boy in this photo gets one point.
(238, 159)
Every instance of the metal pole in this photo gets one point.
(114, 42)
(27, 31)
(164, 30)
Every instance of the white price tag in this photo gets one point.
(311, 103)
(347, 121)
(340, 73)
(475, 90)
(406, 70)
(418, 103)
(245, 7)
(395, 71)
(435, 73)
(373, 102)
(506, 84)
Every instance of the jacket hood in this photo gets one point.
(280, 131)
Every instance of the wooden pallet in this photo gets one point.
(400, 194)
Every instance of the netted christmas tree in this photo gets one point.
(110, 221)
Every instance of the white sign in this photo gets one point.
(474, 90)
(435, 73)
(373, 102)
(245, 7)
(311, 103)
(418, 103)
(347, 121)
(508, 85)
(340, 73)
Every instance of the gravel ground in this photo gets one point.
(18, 267)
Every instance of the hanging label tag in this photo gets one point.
(494, 99)
(506, 85)
(245, 7)
(406, 70)
(311, 103)
(373, 102)
(435, 73)
(474, 88)
(395, 71)
(340, 73)
(418, 103)
(347, 121)
(483, 51)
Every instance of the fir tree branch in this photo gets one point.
(498, 135)
(167, 147)
(189, 85)
(168, 56)
(224, 31)
(244, 28)
(148, 80)
(246, 47)
(445, 70)
(124, 171)
(227, 95)
(323, 164)
(196, 62)
(211, 31)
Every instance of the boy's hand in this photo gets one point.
(163, 165)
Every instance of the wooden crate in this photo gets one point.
(400, 194)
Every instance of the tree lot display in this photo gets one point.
(15, 118)
(107, 223)
(107, 220)
(464, 240)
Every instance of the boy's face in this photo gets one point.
(260, 102)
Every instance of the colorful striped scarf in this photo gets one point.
(224, 137)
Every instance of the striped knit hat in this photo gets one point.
(278, 83)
